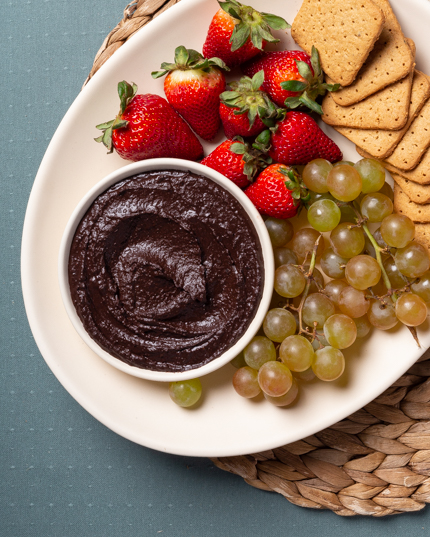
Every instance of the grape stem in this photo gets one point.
(308, 276)
(378, 249)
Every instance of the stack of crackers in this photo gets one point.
(383, 105)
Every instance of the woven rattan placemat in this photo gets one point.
(375, 462)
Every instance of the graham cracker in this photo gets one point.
(380, 143)
(422, 235)
(420, 174)
(404, 205)
(417, 193)
(387, 109)
(343, 31)
(389, 61)
(414, 143)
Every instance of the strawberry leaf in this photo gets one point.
(239, 36)
(330, 87)
(292, 102)
(294, 85)
(238, 148)
(311, 104)
(304, 70)
(126, 93)
(275, 22)
(257, 80)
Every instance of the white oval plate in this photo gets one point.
(223, 424)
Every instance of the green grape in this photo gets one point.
(375, 207)
(347, 240)
(315, 173)
(363, 326)
(344, 182)
(185, 393)
(275, 379)
(397, 230)
(238, 361)
(297, 353)
(387, 189)
(303, 243)
(343, 163)
(422, 286)
(277, 301)
(411, 309)
(245, 382)
(259, 351)
(289, 281)
(347, 214)
(279, 324)
(284, 256)
(340, 331)
(333, 264)
(380, 289)
(412, 260)
(372, 174)
(280, 231)
(315, 196)
(381, 316)
(353, 302)
(397, 280)
(328, 364)
(287, 398)
(306, 376)
(333, 290)
(324, 215)
(379, 240)
(362, 272)
(317, 309)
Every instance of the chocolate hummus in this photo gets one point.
(165, 270)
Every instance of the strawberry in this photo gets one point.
(238, 32)
(244, 108)
(192, 86)
(297, 139)
(292, 77)
(278, 192)
(148, 127)
(236, 161)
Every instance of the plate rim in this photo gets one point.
(26, 249)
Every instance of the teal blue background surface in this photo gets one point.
(62, 472)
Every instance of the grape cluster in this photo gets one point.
(372, 274)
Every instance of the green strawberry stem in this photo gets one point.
(252, 24)
(254, 160)
(312, 88)
(298, 189)
(126, 94)
(188, 59)
(246, 96)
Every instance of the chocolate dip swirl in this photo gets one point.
(166, 270)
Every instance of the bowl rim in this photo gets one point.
(256, 220)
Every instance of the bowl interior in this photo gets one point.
(256, 220)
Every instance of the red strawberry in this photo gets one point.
(233, 159)
(192, 86)
(292, 78)
(237, 32)
(297, 139)
(277, 192)
(148, 127)
(244, 107)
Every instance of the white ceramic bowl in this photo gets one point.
(257, 221)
